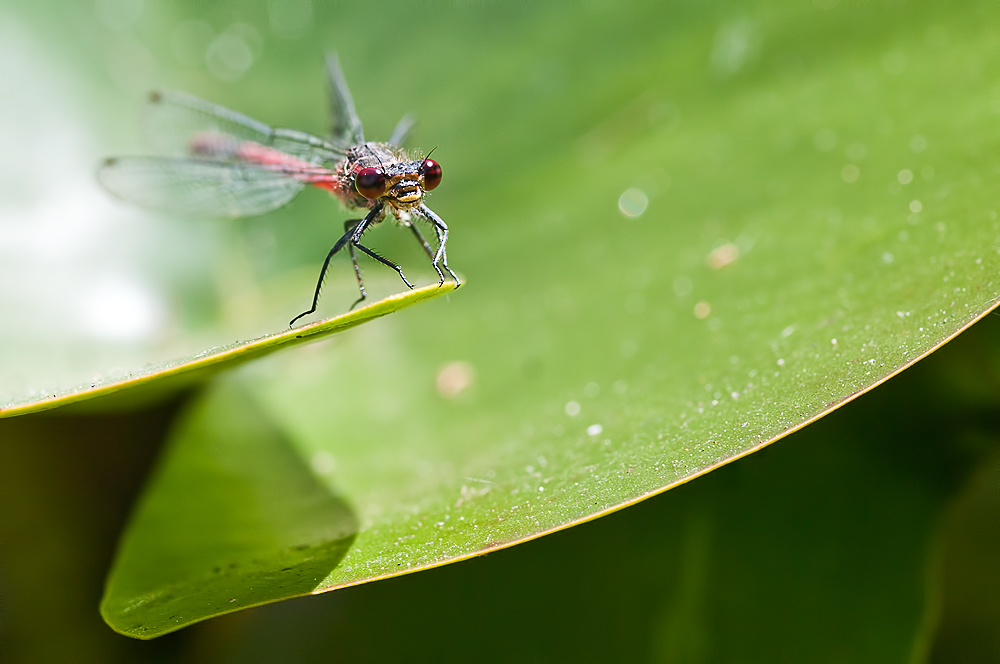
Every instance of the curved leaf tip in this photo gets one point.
(198, 367)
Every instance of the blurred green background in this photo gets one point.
(658, 206)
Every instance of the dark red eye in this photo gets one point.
(432, 174)
(370, 183)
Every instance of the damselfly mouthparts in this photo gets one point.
(222, 163)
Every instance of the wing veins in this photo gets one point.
(173, 120)
(203, 186)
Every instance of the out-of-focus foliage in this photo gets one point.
(688, 229)
(257, 524)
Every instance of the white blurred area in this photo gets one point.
(92, 288)
(73, 296)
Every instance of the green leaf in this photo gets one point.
(712, 227)
(598, 378)
(154, 380)
(816, 549)
(232, 519)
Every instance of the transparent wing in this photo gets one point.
(175, 123)
(345, 127)
(402, 131)
(201, 187)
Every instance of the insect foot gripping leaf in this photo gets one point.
(232, 518)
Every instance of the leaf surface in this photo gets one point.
(174, 374)
(232, 519)
(721, 227)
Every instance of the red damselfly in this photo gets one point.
(217, 162)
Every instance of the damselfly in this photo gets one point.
(221, 163)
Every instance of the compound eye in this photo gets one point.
(370, 183)
(432, 174)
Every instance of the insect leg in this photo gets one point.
(421, 240)
(441, 257)
(350, 236)
(349, 226)
(384, 261)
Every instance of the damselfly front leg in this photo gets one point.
(350, 239)
(420, 238)
(384, 261)
(441, 257)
